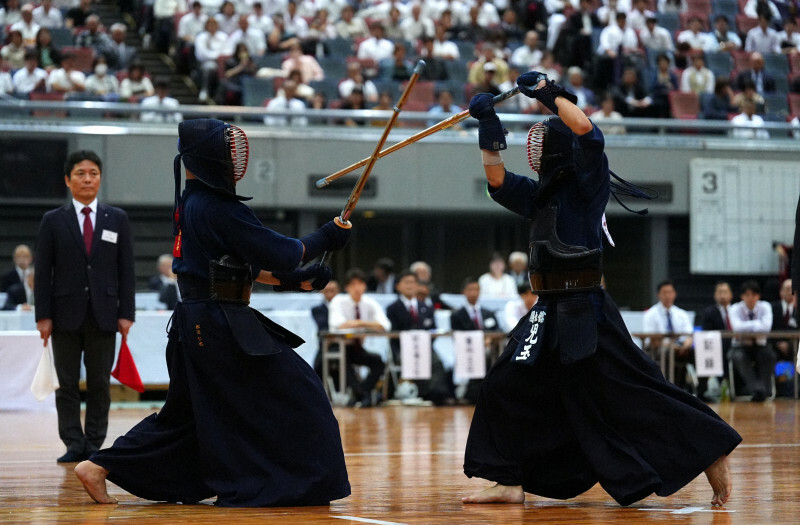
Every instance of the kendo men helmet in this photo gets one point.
(215, 152)
(549, 147)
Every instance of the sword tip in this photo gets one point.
(419, 67)
(321, 183)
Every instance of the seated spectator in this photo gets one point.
(607, 12)
(694, 34)
(509, 26)
(754, 8)
(656, 39)
(515, 309)
(637, 17)
(227, 18)
(6, 83)
(252, 37)
(49, 57)
(392, 25)
(662, 81)
(165, 282)
(790, 37)
(720, 107)
(575, 85)
(752, 358)
(23, 263)
(470, 29)
(630, 95)
(320, 28)
(260, 19)
(287, 101)
(435, 68)
(160, 27)
(762, 38)
(784, 319)
(443, 108)
(67, 79)
(763, 81)
(136, 84)
(488, 84)
(472, 316)
(355, 78)
(10, 14)
(13, 53)
(431, 293)
(30, 78)
(518, 268)
(281, 38)
(477, 70)
(416, 25)
(382, 278)
(303, 91)
(748, 125)
(48, 16)
(376, 47)
(672, 6)
(100, 83)
(192, 24)
(19, 296)
(350, 26)
(355, 311)
(581, 24)
(399, 68)
(717, 316)
(208, 46)
(294, 24)
(749, 93)
(616, 42)
(666, 318)
(237, 67)
(496, 283)
(607, 113)
(120, 55)
(443, 48)
(548, 67)
(94, 37)
(526, 56)
(722, 39)
(160, 100)
(27, 27)
(76, 16)
(309, 68)
(697, 78)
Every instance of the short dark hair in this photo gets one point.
(524, 288)
(76, 157)
(751, 285)
(469, 280)
(662, 284)
(354, 274)
(407, 273)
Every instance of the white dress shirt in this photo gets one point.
(156, 116)
(740, 315)
(503, 288)
(655, 320)
(342, 308)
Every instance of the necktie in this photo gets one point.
(727, 320)
(414, 316)
(788, 315)
(476, 318)
(88, 232)
(358, 312)
(751, 315)
(670, 328)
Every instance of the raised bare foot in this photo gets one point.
(497, 494)
(720, 479)
(93, 477)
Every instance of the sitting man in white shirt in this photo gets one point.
(287, 101)
(748, 125)
(666, 318)
(752, 358)
(161, 100)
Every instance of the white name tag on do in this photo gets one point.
(708, 354)
(470, 355)
(415, 354)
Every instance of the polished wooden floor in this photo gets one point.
(405, 467)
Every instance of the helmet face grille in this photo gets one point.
(536, 137)
(240, 151)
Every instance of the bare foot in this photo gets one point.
(720, 479)
(93, 477)
(497, 494)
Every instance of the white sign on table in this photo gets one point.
(470, 354)
(415, 354)
(708, 354)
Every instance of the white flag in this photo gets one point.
(470, 354)
(708, 354)
(415, 354)
(45, 381)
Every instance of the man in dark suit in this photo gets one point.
(22, 261)
(715, 317)
(764, 82)
(795, 272)
(472, 317)
(320, 315)
(408, 313)
(165, 283)
(20, 295)
(84, 294)
(783, 318)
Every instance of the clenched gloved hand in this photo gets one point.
(491, 135)
(319, 275)
(546, 94)
(331, 236)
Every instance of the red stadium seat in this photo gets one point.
(745, 24)
(702, 6)
(685, 17)
(794, 104)
(84, 57)
(423, 91)
(684, 105)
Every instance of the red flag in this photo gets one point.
(125, 372)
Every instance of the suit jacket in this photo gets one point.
(767, 81)
(15, 294)
(320, 315)
(67, 278)
(712, 320)
(401, 319)
(169, 295)
(795, 273)
(9, 279)
(461, 320)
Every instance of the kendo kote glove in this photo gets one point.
(546, 94)
(328, 238)
(491, 135)
(319, 275)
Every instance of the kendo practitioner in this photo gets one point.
(572, 401)
(245, 419)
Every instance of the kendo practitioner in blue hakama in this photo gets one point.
(572, 401)
(246, 419)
